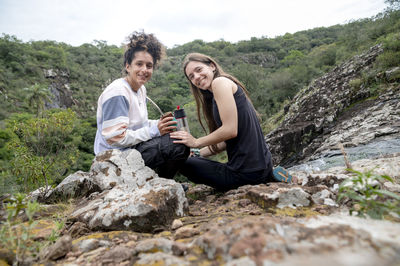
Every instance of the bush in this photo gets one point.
(42, 149)
(366, 196)
(15, 237)
(391, 55)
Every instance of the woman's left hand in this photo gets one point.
(184, 138)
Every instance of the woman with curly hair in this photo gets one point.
(122, 118)
(233, 125)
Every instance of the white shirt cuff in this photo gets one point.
(154, 132)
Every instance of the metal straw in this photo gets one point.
(158, 108)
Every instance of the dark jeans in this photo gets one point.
(218, 175)
(162, 155)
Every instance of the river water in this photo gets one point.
(335, 158)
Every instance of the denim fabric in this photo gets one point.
(218, 175)
(162, 155)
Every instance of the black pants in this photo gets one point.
(218, 175)
(162, 155)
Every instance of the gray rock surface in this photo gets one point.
(332, 111)
(120, 192)
(75, 185)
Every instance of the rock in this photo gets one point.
(133, 197)
(279, 196)
(186, 232)
(160, 258)
(266, 60)
(393, 74)
(392, 187)
(267, 240)
(199, 192)
(77, 229)
(114, 167)
(334, 176)
(59, 249)
(156, 204)
(324, 197)
(60, 89)
(243, 261)
(40, 194)
(87, 245)
(116, 255)
(176, 224)
(75, 185)
(154, 245)
(42, 229)
(7, 256)
(179, 249)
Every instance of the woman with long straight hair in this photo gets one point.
(233, 126)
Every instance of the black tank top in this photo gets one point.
(248, 151)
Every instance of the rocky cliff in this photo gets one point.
(338, 108)
(61, 95)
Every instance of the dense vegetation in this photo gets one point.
(273, 69)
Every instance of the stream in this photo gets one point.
(334, 158)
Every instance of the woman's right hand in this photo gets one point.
(166, 125)
(184, 137)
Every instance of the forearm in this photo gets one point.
(220, 135)
(206, 152)
(130, 137)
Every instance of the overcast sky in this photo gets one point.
(174, 22)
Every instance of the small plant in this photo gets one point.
(55, 233)
(356, 83)
(14, 236)
(367, 197)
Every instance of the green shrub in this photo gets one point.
(391, 55)
(367, 198)
(15, 237)
(42, 149)
(356, 83)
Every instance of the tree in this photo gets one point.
(393, 4)
(42, 148)
(36, 96)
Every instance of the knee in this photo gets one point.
(172, 150)
(182, 151)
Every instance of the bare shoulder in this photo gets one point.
(223, 83)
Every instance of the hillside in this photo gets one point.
(46, 75)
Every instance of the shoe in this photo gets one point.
(185, 187)
(282, 175)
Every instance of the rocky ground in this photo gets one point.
(268, 224)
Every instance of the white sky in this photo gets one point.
(174, 22)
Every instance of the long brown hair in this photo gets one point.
(204, 98)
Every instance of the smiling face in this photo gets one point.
(140, 69)
(200, 75)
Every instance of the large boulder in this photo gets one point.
(120, 192)
(152, 207)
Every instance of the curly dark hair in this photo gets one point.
(140, 41)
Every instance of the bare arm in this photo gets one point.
(223, 90)
(206, 152)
